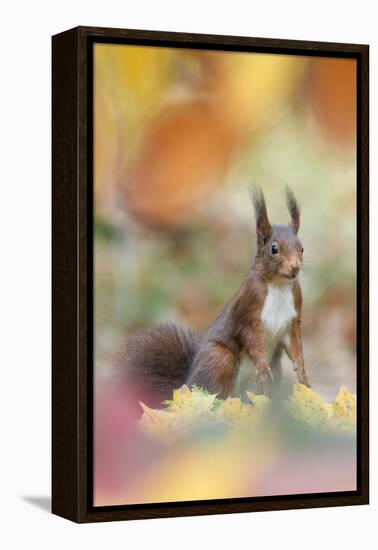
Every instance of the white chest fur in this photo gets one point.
(278, 311)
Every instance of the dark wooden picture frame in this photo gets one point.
(72, 294)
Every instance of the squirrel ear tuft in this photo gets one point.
(294, 210)
(263, 227)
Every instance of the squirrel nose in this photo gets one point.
(295, 270)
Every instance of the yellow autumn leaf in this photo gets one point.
(180, 396)
(156, 421)
(345, 404)
(191, 408)
(238, 414)
(259, 401)
(193, 402)
(231, 406)
(344, 409)
(305, 404)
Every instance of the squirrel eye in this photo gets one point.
(302, 249)
(274, 248)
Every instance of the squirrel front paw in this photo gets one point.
(302, 376)
(303, 379)
(264, 379)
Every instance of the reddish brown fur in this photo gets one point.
(294, 350)
(238, 329)
(167, 357)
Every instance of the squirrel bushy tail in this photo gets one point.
(261, 320)
(156, 361)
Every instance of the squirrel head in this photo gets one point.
(279, 250)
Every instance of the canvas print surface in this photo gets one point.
(224, 274)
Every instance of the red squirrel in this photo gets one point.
(261, 321)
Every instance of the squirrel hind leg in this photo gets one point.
(214, 369)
